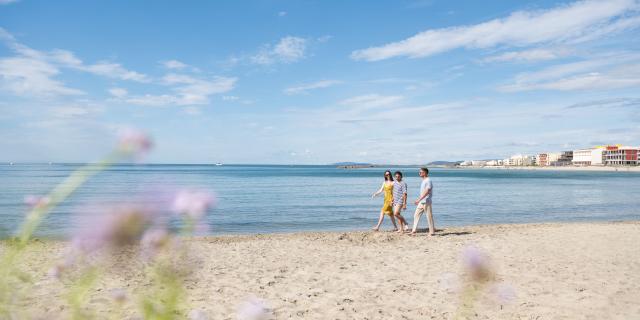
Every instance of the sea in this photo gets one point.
(254, 199)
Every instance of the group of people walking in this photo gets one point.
(395, 200)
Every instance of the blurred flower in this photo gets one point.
(477, 264)
(154, 240)
(117, 226)
(119, 295)
(504, 292)
(36, 201)
(134, 142)
(194, 204)
(56, 271)
(253, 309)
(197, 315)
(449, 282)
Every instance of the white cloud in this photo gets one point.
(282, 13)
(310, 86)
(563, 23)
(7, 1)
(33, 72)
(75, 111)
(174, 64)
(114, 70)
(230, 98)
(27, 76)
(369, 101)
(608, 72)
(288, 50)
(188, 90)
(118, 92)
(529, 55)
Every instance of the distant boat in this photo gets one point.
(218, 164)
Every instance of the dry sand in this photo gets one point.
(555, 271)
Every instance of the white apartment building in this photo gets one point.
(589, 157)
(478, 163)
(494, 162)
(519, 160)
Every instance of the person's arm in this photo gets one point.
(404, 201)
(404, 197)
(423, 195)
(378, 192)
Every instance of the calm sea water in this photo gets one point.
(265, 199)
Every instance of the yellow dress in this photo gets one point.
(387, 207)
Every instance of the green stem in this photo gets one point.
(61, 192)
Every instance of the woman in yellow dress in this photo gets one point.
(387, 206)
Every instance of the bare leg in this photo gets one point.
(432, 227)
(416, 218)
(397, 215)
(393, 220)
(377, 227)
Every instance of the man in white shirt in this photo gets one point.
(424, 202)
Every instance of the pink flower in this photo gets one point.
(132, 141)
(194, 204)
(477, 264)
(253, 309)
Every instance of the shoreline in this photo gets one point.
(550, 168)
(550, 270)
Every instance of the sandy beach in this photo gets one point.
(543, 271)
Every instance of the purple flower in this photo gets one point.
(197, 315)
(193, 204)
(119, 295)
(253, 309)
(135, 142)
(477, 264)
(505, 293)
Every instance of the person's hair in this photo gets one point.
(398, 172)
(425, 170)
(390, 176)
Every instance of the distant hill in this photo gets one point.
(351, 164)
(443, 163)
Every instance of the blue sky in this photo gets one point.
(313, 82)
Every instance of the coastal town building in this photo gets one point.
(541, 159)
(478, 163)
(565, 158)
(621, 156)
(589, 157)
(518, 160)
(609, 155)
(546, 159)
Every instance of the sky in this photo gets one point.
(316, 82)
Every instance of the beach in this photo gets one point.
(542, 271)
